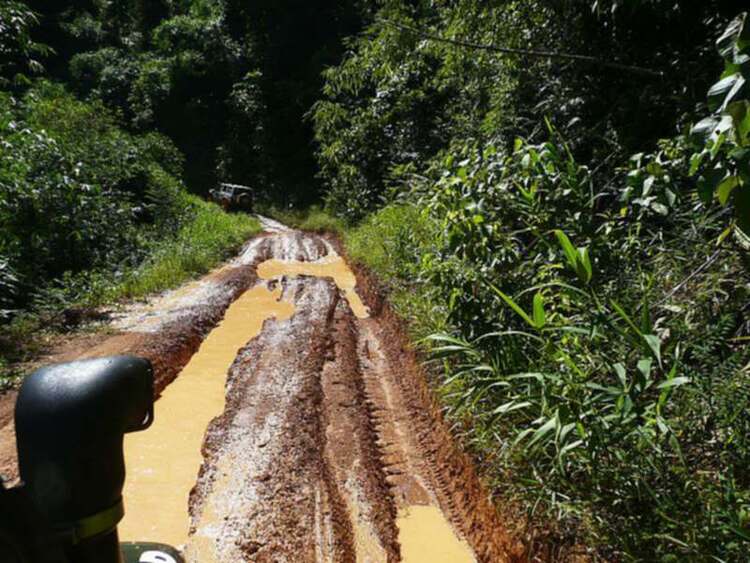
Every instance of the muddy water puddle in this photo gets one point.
(163, 462)
(332, 266)
(426, 537)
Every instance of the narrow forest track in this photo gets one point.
(328, 444)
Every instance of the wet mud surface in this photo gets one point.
(330, 445)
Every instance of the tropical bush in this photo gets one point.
(723, 161)
(591, 337)
(76, 191)
(424, 77)
(91, 214)
(19, 54)
(594, 326)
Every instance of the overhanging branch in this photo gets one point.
(524, 52)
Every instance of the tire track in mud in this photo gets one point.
(329, 449)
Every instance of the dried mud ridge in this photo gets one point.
(329, 427)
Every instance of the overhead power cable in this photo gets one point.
(524, 52)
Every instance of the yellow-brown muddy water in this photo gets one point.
(162, 463)
(331, 266)
(427, 537)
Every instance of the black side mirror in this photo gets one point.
(70, 421)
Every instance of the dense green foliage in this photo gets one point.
(19, 53)
(83, 203)
(228, 81)
(75, 188)
(581, 283)
(724, 161)
(92, 205)
(400, 98)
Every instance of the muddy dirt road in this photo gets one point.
(293, 424)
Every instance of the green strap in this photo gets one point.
(98, 523)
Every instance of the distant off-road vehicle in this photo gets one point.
(233, 197)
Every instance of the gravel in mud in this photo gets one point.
(330, 442)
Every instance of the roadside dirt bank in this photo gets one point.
(498, 528)
(455, 481)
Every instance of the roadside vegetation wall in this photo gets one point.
(569, 241)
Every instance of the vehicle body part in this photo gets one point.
(233, 197)
(70, 421)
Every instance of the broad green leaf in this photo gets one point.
(674, 382)
(654, 169)
(725, 91)
(695, 162)
(740, 112)
(571, 446)
(543, 430)
(583, 265)
(564, 431)
(724, 189)
(708, 182)
(648, 183)
(513, 305)
(671, 196)
(521, 436)
(540, 318)
(736, 31)
(717, 142)
(644, 366)
(510, 407)
(568, 249)
(646, 323)
(621, 374)
(615, 391)
(654, 344)
(704, 129)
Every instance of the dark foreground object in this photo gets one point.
(70, 421)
